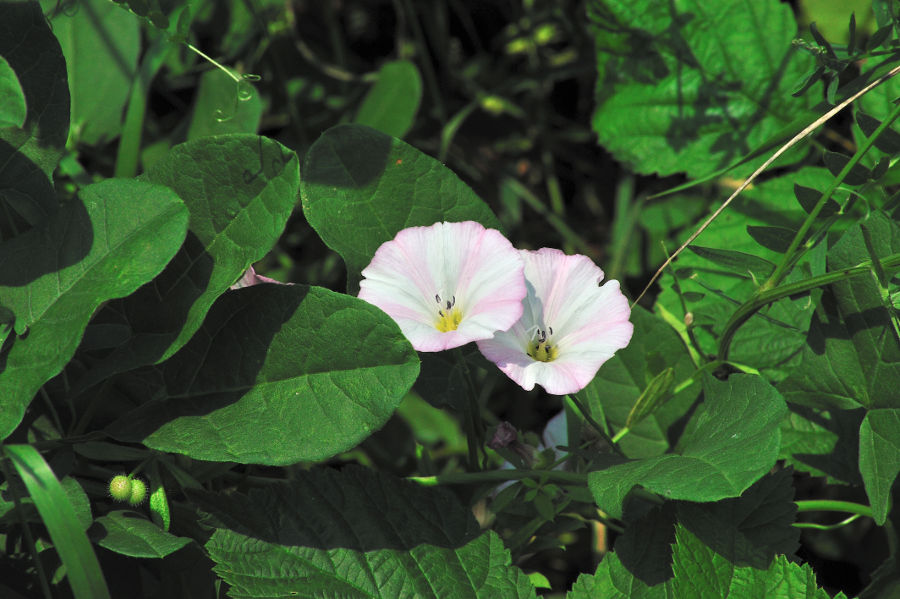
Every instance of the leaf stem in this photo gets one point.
(833, 505)
(601, 431)
(763, 297)
(500, 476)
(474, 425)
(783, 266)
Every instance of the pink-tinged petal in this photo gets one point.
(589, 323)
(475, 269)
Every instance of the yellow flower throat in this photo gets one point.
(540, 348)
(449, 316)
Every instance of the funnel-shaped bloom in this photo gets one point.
(570, 326)
(447, 284)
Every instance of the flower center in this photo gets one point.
(540, 348)
(449, 316)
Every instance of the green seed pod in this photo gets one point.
(120, 487)
(138, 492)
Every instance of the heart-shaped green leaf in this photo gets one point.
(115, 237)
(728, 445)
(276, 375)
(360, 187)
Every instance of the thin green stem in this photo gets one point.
(500, 476)
(594, 424)
(781, 270)
(833, 505)
(473, 423)
(836, 525)
(201, 54)
(761, 298)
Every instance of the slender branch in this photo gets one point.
(782, 269)
(833, 505)
(500, 476)
(749, 308)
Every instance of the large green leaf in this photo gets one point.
(823, 442)
(115, 237)
(240, 191)
(356, 534)
(29, 155)
(12, 98)
(360, 187)
(879, 458)
(749, 530)
(852, 355)
(654, 346)
(100, 42)
(276, 375)
(691, 86)
(730, 443)
(133, 535)
(392, 103)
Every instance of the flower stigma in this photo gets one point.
(540, 349)
(449, 316)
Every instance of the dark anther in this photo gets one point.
(437, 298)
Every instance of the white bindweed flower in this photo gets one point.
(571, 324)
(447, 284)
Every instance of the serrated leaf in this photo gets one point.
(392, 103)
(29, 155)
(129, 533)
(613, 581)
(360, 187)
(823, 442)
(879, 458)
(654, 346)
(356, 534)
(240, 191)
(12, 98)
(685, 87)
(749, 530)
(701, 573)
(645, 548)
(730, 443)
(276, 375)
(101, 43)
(852, 354)
(116, 236)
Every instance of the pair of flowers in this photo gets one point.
(541, 316)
